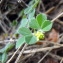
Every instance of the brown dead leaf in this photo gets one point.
(50, 60)
(53, 36)
(39, 43)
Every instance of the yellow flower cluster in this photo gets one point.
(39, 35)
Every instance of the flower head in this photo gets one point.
(39, 35)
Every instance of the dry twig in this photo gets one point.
(57, 17)
(20, 54)
(13, 55)
(44, 56)
(61, 60)
(42, 49)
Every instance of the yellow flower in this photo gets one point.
(39, 35)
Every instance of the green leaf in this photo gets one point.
(14, 23)
(34, 24)
(24, 22)
(31, 2)
(0, 57)
(41, 18)
(4, 57)
(9, 46)
(20, 42)
(24, 16)
(47, 25)
(24, 31)
(36, 3)
(21, 13)
(31, 15)
(31, 7)
(2, 50)
(30, 39)
(28, 10)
